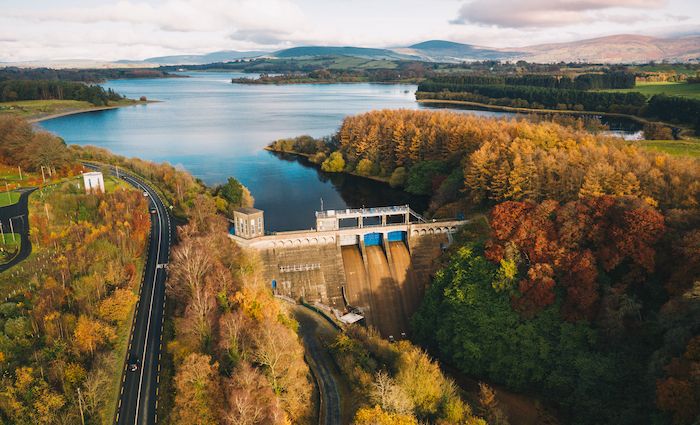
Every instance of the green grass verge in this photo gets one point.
(42, 108)
(8, 198)
(112, 184)
(671, 89)
(689, 147)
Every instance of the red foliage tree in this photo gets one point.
(569, 243)
(537, 291)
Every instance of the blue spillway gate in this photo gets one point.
(397, 236)
(373, 239)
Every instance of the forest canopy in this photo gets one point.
(494, 160)
(14, 90)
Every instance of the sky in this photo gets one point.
(45, 30)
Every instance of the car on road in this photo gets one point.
(153, 211)
(134, 365)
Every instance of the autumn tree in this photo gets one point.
(91, 334)
(197, 391)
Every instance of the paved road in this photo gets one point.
(19, 216)
(314, 331)
(138, 399)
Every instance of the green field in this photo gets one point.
(11, 241)
(9, 247)
(8, 198)
(671, 89)
(30, 107)
(690, 147)
(687, 69)
(345, 62)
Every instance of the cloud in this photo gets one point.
(543, 13)
(131, 29)
(179, 15)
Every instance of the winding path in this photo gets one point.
(18, 215)
(314, 331)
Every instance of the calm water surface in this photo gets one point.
(216, 129)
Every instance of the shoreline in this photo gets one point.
(38, 119)
(683, 130)
(291, 83)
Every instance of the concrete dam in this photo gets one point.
(372, 261)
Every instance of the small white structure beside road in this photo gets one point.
(94, 182)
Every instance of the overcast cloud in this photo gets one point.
(551, 13)
(131, 29)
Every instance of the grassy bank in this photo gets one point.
(40, 110)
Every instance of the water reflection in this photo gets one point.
(357, 191)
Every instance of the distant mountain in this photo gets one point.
(612, 49)
(617, 49)
(361, 52)
(221, 56)
(449, 51)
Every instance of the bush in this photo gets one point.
(654, 131)
(334, 164)
(398, 177)
(364, 167)
(421, 177)
(318, 157)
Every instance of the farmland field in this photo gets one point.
(670, 89)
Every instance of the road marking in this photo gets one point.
(150, 310)
(140, 185)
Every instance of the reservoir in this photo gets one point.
(215, 129)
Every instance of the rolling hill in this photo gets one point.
(617, 49)
(449, 51)
(221, 56)
(361, 52)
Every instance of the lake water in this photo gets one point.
(216, 129)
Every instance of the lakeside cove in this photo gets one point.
(683, 132)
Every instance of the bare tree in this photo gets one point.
(390, 396)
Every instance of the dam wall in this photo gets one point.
(380, 270)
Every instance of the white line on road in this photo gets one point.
(150, 312)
